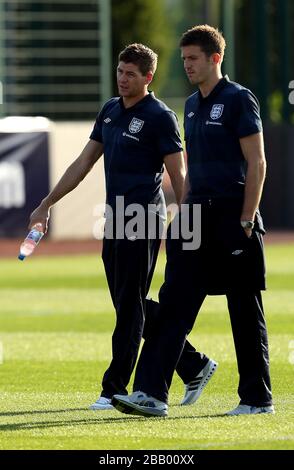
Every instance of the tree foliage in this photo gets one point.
(144, 21)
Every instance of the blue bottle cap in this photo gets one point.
(21, 257)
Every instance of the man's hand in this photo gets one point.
(247, 226)
(248, 232)
(40, 216)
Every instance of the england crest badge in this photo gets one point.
(135, 125)
(216, 111)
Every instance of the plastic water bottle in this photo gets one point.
(31, 241)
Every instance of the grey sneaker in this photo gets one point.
(102, 403)
(250, 410)
(139, 403)
(194, 388)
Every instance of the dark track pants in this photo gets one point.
(226, 263)
(129, 267)
(162, 349)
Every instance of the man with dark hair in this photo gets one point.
(226, 172)
(138, 135)
(140, 55)
(209, 39)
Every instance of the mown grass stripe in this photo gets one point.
(75, 346)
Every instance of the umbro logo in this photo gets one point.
(190, 115)
(132, 238)
(237, 252)
(107, 120)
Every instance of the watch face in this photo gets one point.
(247, 224)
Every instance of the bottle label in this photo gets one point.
(35, 235)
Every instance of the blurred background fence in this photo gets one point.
(58, 60)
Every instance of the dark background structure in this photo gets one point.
(58, 59)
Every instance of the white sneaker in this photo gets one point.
(102, 403)
(250, 410)
(194, 388)
(139, 403)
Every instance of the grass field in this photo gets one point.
(56, 321)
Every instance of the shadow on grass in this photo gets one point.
(37, 412)
(87, 421)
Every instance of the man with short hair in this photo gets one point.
(138, 135)
(226, 172)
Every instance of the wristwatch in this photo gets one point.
(249, 224)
